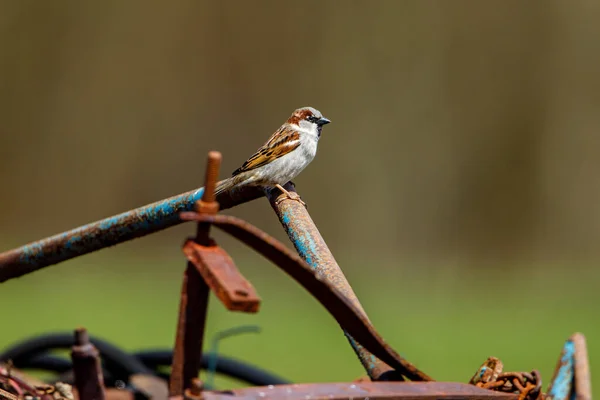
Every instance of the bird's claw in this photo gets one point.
(287, 195)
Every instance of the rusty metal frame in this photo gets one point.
(314, 267)
(350, 317)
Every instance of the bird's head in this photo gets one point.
(309, 119)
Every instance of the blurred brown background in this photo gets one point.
(464, 133)
(463, 130)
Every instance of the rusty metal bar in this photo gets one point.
(312, 248)
(583, 380)
(363, 390)
(339, 306)
(571, 378)
(110, 231)
(89, 380)
(193, 307)
(187, 352)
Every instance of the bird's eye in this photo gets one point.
(312, 118)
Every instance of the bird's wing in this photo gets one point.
(283, 141)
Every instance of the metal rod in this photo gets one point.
(350, 317)
(310, 245)
(86, 367)
(187, 353)
(110, 231)
(193, 306)
(583, 381)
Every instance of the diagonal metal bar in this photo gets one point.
(345, 312)
(110, 231)
(311, 246)
(571, 378)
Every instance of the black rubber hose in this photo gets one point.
(119, 363)
(46, 362)
(225, 365)
(32, 353)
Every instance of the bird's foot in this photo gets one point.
(292, 196)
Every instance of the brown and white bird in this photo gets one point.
(287, 152)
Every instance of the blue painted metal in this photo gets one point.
(110, 231)
(571, 379)
(312, 248)
(561, 387)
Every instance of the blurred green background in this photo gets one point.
(457, 185)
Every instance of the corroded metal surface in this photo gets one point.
(583, 380)
(119, 394)
(311, 246)
(314, 267)
(343, 310)
(189, 337)
(89, 379)
(528, 385)
(150, 386)
(193, 303)
(571, 378)
(364, 390)
(195, 390)
(488, 372)
(224, 279)
(110, 231)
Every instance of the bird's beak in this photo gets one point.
(323, 121)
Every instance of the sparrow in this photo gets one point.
(287, 152)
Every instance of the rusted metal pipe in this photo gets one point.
(110, 231)
(571, 378)
(89, 380)
(311, 246)
(187, 353)
(583, 380)
(193, 307)
(346, 314)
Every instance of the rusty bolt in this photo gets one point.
(195, 391)
(81, 337)
(208, 205)
(212, 174)
(86, 367)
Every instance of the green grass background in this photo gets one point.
(445, 320)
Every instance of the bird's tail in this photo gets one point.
(224, 186)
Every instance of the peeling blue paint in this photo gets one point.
(305, 239)
(109, 231)
(562, 385)
(482, 372)
(286, 218)
(304, 242)
(368, 360)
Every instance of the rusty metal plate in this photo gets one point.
(223, 277)
(365, 390)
